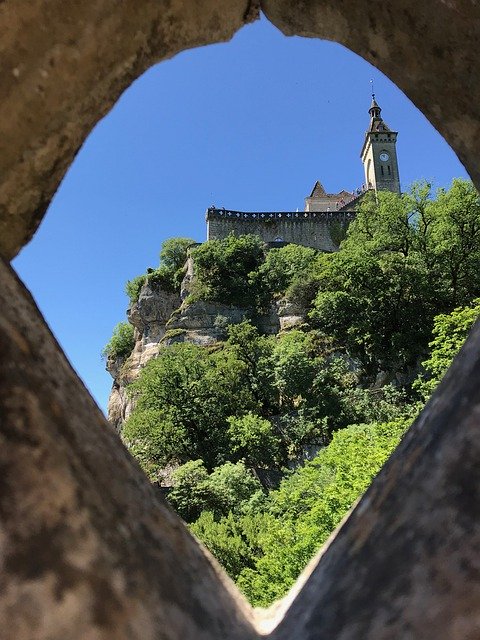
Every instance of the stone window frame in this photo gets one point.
(89, 550)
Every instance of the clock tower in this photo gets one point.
(379, 154)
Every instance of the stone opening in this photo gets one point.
(88, 550)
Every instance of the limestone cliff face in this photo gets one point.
(148, 316)
(162, 318)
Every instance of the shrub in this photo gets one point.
(223, 270)
(225, 490)
(169, 274)
(133, 286)
(254, 439)
(282, 266)
(121, 343)
(450, 332)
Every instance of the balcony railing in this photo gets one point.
(266, 216)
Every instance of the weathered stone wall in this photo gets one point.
(317, 230)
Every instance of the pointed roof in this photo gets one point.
(374, 107)
(318, 190)
(376, 120)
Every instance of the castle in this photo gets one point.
(326, 216)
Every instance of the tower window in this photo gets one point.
(389, 172)
(381, 169)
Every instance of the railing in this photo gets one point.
(266, 216)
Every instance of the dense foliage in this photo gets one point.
(450, 332)
(168, 275)
(224, 269)
(310, 503)
(403, 290)
(121, 343)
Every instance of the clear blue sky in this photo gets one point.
(249, 125)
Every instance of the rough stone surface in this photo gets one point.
(318, 230)
(161, 319)
(151, 312)
(205, 317)
(290, 314)
(158, 324)
(149, 316)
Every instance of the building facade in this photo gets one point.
(323, 223)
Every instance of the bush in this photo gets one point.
(282, 266)
(450, 332)
(254, 439)
(310, 504)
(229, 539)
(225, 490)
(190, 494)
(121, 343)
(230, 486)
(133, 287)
(168, 276)
(182, 401)
(224, 268)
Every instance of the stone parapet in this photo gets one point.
(321, 230)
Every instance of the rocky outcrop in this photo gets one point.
(203, 323)
(151, 312)
(149, 316)
(290, 314)
(161, 319)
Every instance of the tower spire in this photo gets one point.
(374, 110)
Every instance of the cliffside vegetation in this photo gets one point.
(121, 343)
(234, 417)
(168, 275)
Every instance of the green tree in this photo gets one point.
(294, 366)
(255, 352)
(379, 307)
(121, 343)
(224, 268)
(190, 494)
(226, 489)
(455, 240)
(232, 539)
(384, 223)
(450, 332)
(183, 399)
(254, 439)
(173, 256)
(312, 502)
(283, 266)
(231, 485)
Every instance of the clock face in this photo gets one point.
(384, 156)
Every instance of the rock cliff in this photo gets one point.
(160, 318)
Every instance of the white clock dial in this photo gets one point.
(384, 156)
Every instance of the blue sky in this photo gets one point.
(249, 125)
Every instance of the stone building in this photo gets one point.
(324, 220)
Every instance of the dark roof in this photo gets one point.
(378, 124)
(318, 190)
